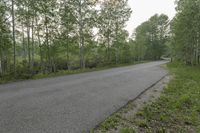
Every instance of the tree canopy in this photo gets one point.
(185, 29)
(45, 36)
(151, 38)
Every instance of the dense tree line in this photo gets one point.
(51, 35)
(152, 37)
(45, 36)
(185, 32)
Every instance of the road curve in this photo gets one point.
(75, 103)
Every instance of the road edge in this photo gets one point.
(120, 116)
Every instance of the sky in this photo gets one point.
(144, 9)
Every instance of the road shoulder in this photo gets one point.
(123, 118)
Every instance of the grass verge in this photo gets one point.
(176, 111)
(10, 78)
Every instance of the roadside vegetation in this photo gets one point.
(39, 38)
(8, 78)
(176, 111)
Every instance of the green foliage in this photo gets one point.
(5, 39)
(111, 23)
(142, 123)
(185, 32)
(110, 123)
(151, 38)
(177, 110)
(127, 130)
(53, 36)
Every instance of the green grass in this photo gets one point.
(110, 123)
(178, 109)
(127, 130)
(10, 78)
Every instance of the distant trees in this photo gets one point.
(186, 32)
(151, 38)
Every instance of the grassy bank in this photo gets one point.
(176, 111)
(10, 78)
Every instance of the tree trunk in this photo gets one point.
(28, 43)
(197, 49)
(81, 37)
(82, 60)
(1, 54)
(68, 58)
(32, 47)
(67, 41)
(23, 43)
(40, 46)
(116, 40)
(108, 49)
(47, 44)
(14, 42)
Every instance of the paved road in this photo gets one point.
(75, 103)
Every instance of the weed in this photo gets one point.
(128, 130)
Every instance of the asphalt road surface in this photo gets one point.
(75, 103)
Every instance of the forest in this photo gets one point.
(48, 36)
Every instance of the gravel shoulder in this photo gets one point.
(122, 119)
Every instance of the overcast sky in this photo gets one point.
(144, 9)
